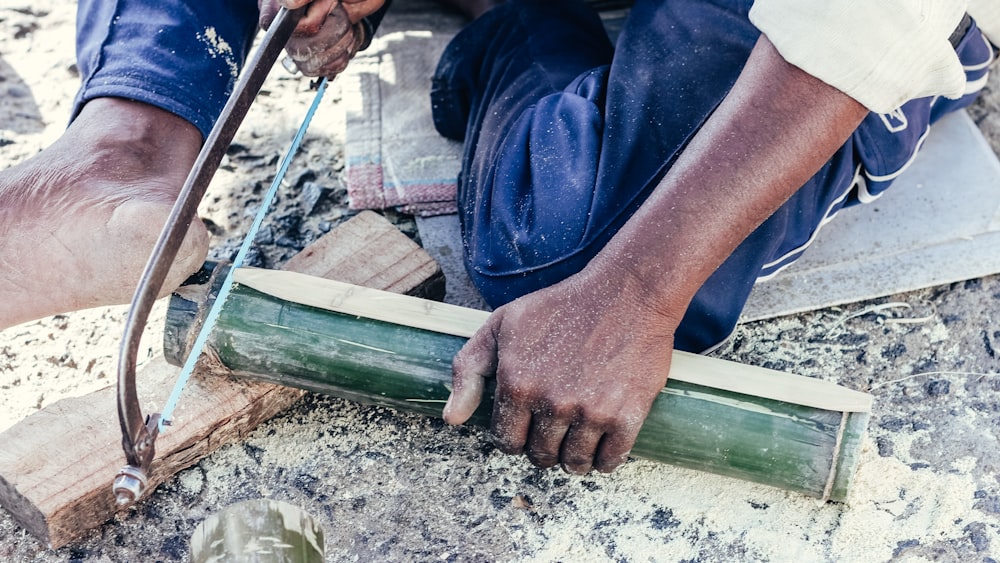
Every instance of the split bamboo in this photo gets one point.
(793, 432)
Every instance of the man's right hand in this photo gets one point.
(328, 35)
(577, 367)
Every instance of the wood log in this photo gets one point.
(793, 432)
(56, 466)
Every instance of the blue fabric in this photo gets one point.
(887, 142)
(565, 137)
(181, 56)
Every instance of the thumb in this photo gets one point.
(475, 362)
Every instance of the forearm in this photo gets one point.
(773, 131)
(579, 363)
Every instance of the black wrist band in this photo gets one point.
(370, 24)
(960, 31)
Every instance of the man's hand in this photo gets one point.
(328, 35)
(577, 364)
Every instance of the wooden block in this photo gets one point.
(392, 262)
(57, 465)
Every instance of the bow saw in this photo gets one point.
(139, 433)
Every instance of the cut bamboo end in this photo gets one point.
(750, 423)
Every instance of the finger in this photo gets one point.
(341, 54)
(315, 17)
(326, 62)
(510, 424)
(616, 445)
(268, 10)
(358, 9)
(293, 4)
(580, 448)
(475, 362)
(327, 53)
(545, 439)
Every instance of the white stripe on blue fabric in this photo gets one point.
(831, 212)
(865, 196)
(981, 66)
(976, 85)
(909, 161)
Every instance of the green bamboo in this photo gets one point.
(778, 443)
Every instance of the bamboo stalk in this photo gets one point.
(760, 425)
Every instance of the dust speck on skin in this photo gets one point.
(219, 47)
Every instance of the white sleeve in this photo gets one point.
(882, 53)
(987, 16)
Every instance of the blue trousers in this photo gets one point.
(566, 135)
(183, 56)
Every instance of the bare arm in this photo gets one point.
(578, 364)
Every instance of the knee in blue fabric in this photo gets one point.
(545, 43)
(453, 83)
(532, 215)
(524, 232)
(180, 55)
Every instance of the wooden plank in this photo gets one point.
(794, 445)
(56, 466)
(392, 263)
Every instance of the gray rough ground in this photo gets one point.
(390, 486)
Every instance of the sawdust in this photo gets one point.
(893, 505)
(65, 356)
(218, 47)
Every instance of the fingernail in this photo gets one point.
(576, 470)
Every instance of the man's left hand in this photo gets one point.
(328, 35)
